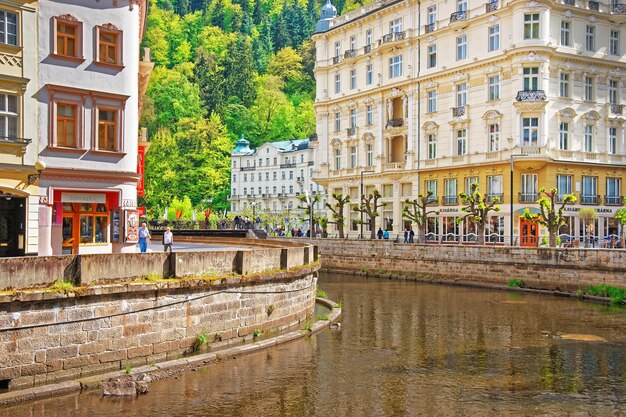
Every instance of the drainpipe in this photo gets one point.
(419, 100)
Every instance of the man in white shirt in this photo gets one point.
(168, 239)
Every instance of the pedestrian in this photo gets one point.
(237, 222)
(144, 235)
(380, 233)
(411, 235)
(406, 236)
(386, 235)
(168, 240)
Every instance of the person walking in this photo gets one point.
(386, 235)
(168, 240)
(380, 233)
(411, 235)
(406, 236)
(144, 235)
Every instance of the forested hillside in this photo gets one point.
(223, 68)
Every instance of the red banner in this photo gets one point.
(141, 210)
(141, 153)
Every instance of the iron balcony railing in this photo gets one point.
(429, 28)
(613, 200)
(569, 2)
(491, 197)
(351, 131)
(247, 168)
(618, 8)
(492, 6)
(335, 60)
(288, 165)
(395, 123)
(388, 37)
(528, 197)
(458, 111)
(313, 137)
(594, 5)
(367, 49)
(617, 108)
(450, 200)
(589, 199)
(459, 16)
(399, 35)
(350, 53)
(14, 141)
(531, 95)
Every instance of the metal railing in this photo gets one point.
(618, 8)
(613, 200)
(589, 199)
(335, 60)
(458, 111)
(492, 197)
(617, 108)
(388, 37)
(450, 200)
(350, 53)
(399, 35)
(528, 197)
(429, 28)
(531, 95)
(459, 16)
(288, 165)
(492, 6)
(247, 168)
(351, 131)
(594, 5)
(395, 123)
(569, 2)
(367, 49)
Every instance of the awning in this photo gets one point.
(533, 210)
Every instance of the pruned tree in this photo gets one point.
(621, 218)
(418, 212)
(550, 214)
(587, 215)
(477, 210)
(369, 206)
(337, 209)
(307, 205)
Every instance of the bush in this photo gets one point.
(516, 283)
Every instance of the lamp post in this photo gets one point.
(361, 199)
(513, 155)
(309, 201)
(253, 204)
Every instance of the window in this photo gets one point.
(267, 176)
(468, 183)
(337, 159)
(352, 42)
(461, 142)
(107, 129)
(369, 74)
(337, 49)
(431, 186)
(368, 37)
(461, 47)
(531, 79)
(588, 87)
(290, 175)
(274, 176)
(612, 91)
(461, 95)
(337, 122)
(68, 38)
(352, 79)
(352, 118)
(531, 26)
(370, 154)
(395, 26)
(245, 177)
(66, 125)
(590, 190)
(461, 5)
(529, 188)
(563, 186)
(590, 38)
(565, 33)
(588, 138)
(369, 112)
(109, 46)
(494, 38)
(614, 42)
(291, 189)
(432, 15)
(564, 85)
(8, 28)
(8, 116)
(283, 175)
(612, 140)
(613, 186)
(432, 56)
(353, 157)
(494, 137)
(432, 146)
(93, 220)
(530, 131)
(494, 186)
(337, 83)
(494, 87)
(260, 176)
(275, 161)
(395, 66)
(450, 190)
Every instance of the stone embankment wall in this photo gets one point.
(563, 269)
(48, 337)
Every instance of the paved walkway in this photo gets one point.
(190, 247)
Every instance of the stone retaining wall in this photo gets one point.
(564, 269)
(47, 337)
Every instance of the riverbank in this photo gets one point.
(170, 368)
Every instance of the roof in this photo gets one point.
(242, 146)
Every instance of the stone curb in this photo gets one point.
(169, 368)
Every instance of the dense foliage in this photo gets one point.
(223, 68)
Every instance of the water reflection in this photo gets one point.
(406, 349)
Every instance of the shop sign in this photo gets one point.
(141, 154)
(449, 210)
(599, 210)
(83, 198)
(131, 226)
(115, 226)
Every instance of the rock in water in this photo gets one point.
(118, 388)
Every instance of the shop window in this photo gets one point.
(85, 224)
(109, 45)
(68, 34)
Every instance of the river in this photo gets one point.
(405, 349)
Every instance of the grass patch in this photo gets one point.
(322, 316)
(202, 341)
(308, 325)
(338, 304)
(257, 333)
(516, 283)
(153, 276)
(320, 293)
(617, 295)
(63, 286)
(128, 368)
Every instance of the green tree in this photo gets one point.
(550, 213)
(621, 217)
(239, 72)
(477, 208)
(207, 75)
(369, 206)
(588, 216)
(272, 112)
(417, 211)
(338, 209)
(307, 204)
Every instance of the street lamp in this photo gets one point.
(361, 198)
(253, 204)
(513, 155)
(310, 203)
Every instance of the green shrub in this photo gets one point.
(320, 293)
(516, 283)
(617, 295)
(322, 316)
(308, 326)
(128, 368)
(338, 304)
(63, 286)
(257, 333)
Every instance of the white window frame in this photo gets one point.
(461, 142)
(369, 74)
(461, 47)
(353, 115)
(432, 15)
(564, 85)
(9, 120)
(395, 66)
(531, 26)
(353, 157)
(432, 145)
(369, 112)
(564, 142)
(432, 101)
(590, 38)
(588, 138)
(494, 37)
(612, 140)
(352, 79)
(588, 89)
(338, 159)
(493, 131)
(9, 29)
(461, 95)
(531, 125)
(432, 56)
(369, 152)
(566, 33)
(395, 25)
(614, 36)
(531, 78)
(494, 88)
(337, 122)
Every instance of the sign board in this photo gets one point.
(131, 226)
(116, 227)
(83, 198)
(141, 154)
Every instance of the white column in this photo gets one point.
(545, 123)
(324, 141)
(381, 127)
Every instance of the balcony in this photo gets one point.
(450, 200)
(460, 16)
(367, 49)
(248, 168)
(311, 163)
(351, 132)
(594, 5)
(531, 95)
(288, 165)
(569, 2)
(617, 109)
(335, 60)
(398, 36)
(350, 53)
(458, 111)
(492, 6)
(528, 197)
(395, 123)
(618, 8)
(491, 197)
(388, 37)
(613, 200)
(17, 145)
(429, 28)
(589, 199)
(393, 166)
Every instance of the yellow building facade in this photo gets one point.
(416, 96)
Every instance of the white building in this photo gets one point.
(271, 177)
(88, 123)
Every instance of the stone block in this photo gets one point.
(139, 351)
(62, 352)
(112, 356)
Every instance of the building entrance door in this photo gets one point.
(529, 233)
(70, 241)
(12, 225)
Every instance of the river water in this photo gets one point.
(405, 349)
